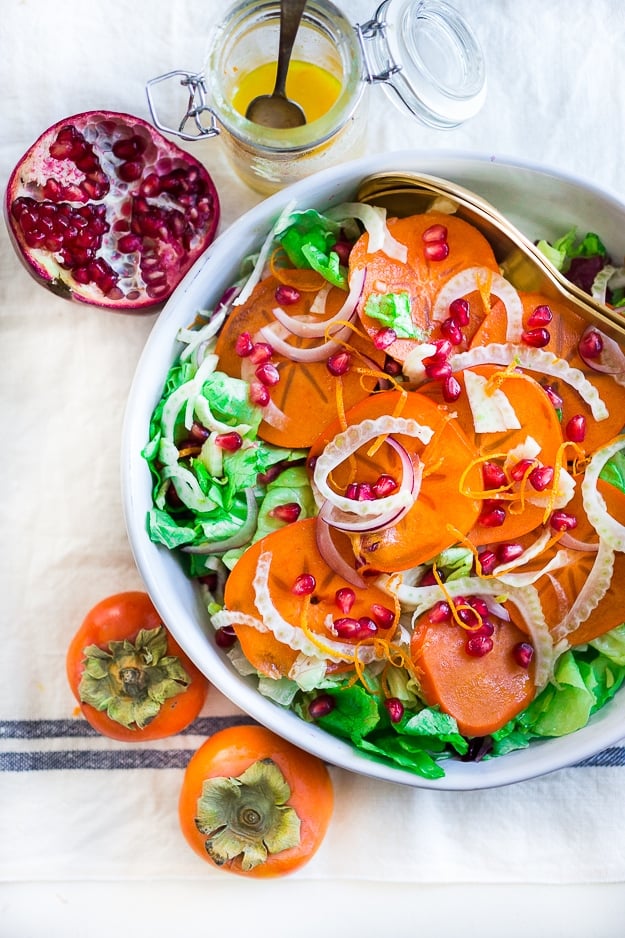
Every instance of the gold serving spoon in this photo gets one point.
(275, 109)
(522, 263)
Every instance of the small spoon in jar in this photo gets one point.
(522, 263)
(275, 109)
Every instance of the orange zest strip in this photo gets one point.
(340, 404)
(454, 608)
(484, 286)
(312, 637)
(497, 379)
(189, 451)
(558, 466)
(503, 492)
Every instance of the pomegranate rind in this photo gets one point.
(170, 255)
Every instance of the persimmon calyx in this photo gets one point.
(131, 681)
(247, 816)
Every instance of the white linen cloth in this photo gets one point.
(75, 806)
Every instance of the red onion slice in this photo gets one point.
(611, 359)
(328, 550)
(305, 328)
(376, 521)
(348, 442)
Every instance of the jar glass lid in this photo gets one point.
(428, 57)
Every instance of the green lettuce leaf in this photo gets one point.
(393, 310)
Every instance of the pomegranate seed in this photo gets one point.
(536, 338)
(540, 316)
(267, 374)
(563, 521)
(436, 250)
(394, 708)
(346, 627)
(130, 171)
(459, 310)
(384, 485)
(591, 344)
(428, 579)
(365, 492)
(243, 345)
(129, 147)
(259, 394)
(575, 430)
(493, 476)
(261, 352)
(440, 612)
(452, 330)
(231, 442)
(541, 477)
(286, 295)
(129, 243)
(521, 469)
(553, 396)
(486, 628)
(343, 249)
(304, 585)
(198, 433)
(345, 598)
(392, 368)
(339, 363)
(225, 637)
(452, 389)
(321, 706)
(468, 617)
(443, 351)
(479, 645)
(508, 551)
(382, 615)
(434, 234)
(289, 512)
(352, 491)
(367, 627)
(477, 603)
(488, 561)
(523, 653)
(384, 337)
(492, 515)
(438, 370)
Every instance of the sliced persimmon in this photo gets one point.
(565, 330)
(538, 420)
(440, 511)
(294, 552)
(480, 693)
(306, 392)
(559, 591)
(421, 276)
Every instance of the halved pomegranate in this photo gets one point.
(105, 210)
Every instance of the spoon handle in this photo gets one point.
(290, 16)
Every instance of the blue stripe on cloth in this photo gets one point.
(132, 758)
(137, 757)
(79, 728)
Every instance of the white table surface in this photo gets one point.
(556, 96)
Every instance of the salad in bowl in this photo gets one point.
(395, 483)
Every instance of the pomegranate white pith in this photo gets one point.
(105, 210)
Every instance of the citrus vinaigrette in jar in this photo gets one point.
(314, 88)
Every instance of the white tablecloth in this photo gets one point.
(89, 836)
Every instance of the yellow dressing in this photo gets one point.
(312, 87)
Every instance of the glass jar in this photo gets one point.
(421, 50)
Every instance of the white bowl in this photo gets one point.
(542, 203)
